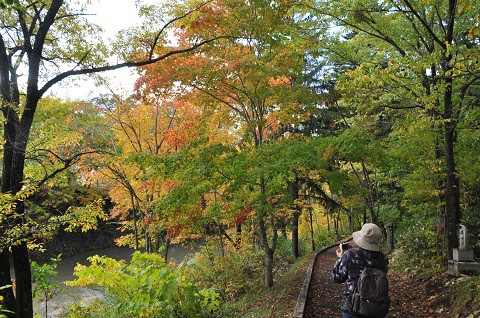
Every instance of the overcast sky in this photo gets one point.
(112, 16)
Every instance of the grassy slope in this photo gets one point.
(431, 295)
(278, 301)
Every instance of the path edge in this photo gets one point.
(302, 296)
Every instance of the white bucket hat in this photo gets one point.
(369, 237)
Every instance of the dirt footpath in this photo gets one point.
(323, 298)
(410, 298)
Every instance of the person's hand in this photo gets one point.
(339, 252)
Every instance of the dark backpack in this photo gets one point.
(370, 296)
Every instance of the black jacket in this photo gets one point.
(349, 267)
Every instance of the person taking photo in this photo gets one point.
(363, 267)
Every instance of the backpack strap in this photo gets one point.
(363, 256)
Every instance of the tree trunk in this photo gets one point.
(238, 236)
(351, 221)
(157, 242)
(135, 229)
(390, 238)
(268, 267)
(9, 131)
(262, 229)
(167, 247)
(135, 226)
(293, 187)
(335, 224)
(21, 262)
(23, 280)
(8, 300)
(148, 242)
(283, 226)
(220, 233)
(312, 235)
(328, 221)
(295, 251)
(340, 226)
(452, 191)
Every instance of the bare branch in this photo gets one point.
(159, 33)
(67, 163)
(425, 24)
(380, 36)
(100, 69)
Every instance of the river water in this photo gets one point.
(68, 295)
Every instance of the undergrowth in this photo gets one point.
(466, 296)
(417, 255)
(417, 252)
(237, 275)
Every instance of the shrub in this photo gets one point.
(324, 238)
(233, 272)
(418, 249)
(147, 287)
(42, 280)
(284, 248)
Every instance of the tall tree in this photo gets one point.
(256, 75)
(52, 40)
(158, 127)
(415, 55)
(60, 140)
